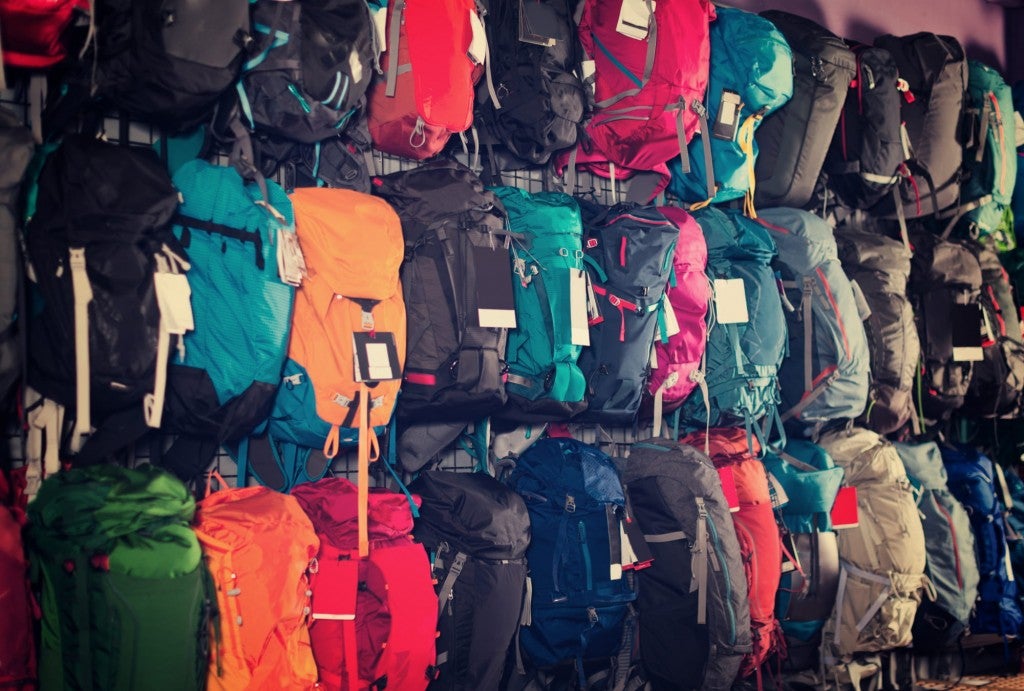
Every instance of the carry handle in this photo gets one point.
(209, 479)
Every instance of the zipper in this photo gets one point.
(585, 549)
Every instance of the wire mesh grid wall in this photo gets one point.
(615, 440)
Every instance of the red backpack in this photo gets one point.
(428, 93)
(648, 85)
(32, 31)
(757, 532)
(373, 597)
(18, 663)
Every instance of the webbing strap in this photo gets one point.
(82, 291)
(394, 33)
(45, 419)
(153, 403)
(808, 318)
(684, 156)
(699, 563)
(961, 210)
(986, 111)
(901, 216)
(705, 138)
(659, 401)
(449, 582)
(36, 99)
(745, 139)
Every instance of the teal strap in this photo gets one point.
(596, 267)
(243, 100)
(242, 462)
(391, 461)
(662, 324)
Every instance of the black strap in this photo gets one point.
(188, 222)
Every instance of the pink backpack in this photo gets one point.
(677, 358)
(648, 85)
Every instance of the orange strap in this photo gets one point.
(209, 477)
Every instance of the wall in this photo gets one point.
(978, 25)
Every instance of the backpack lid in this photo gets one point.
(923, 463)
(554, 469)
(733, 236)
(750, 55)
(810, 479)
(331, 504)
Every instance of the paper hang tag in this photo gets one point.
(173, 295)
(789, 554)
(538, 23)
(578, 287)
(593, 309)
(967, 332)
(635, 18)
(337, 586)
(732, 496)
(589, 68)
(376, 357)
(727, 120)
(478, 44)
(671, 323)
(1018, 126)
(730, 301)
(291, 265)
(845, 513)
(496, 305)
(380, 27)
(779, 496)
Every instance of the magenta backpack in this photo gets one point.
(677, 358)
(648, 85)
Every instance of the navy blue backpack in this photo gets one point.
(578, 607)
(972, 480)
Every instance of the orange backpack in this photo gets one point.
(258, 544)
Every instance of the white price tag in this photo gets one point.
(291, 266)
(1018, 123)
(730, 301)
(578, 307)
(478, 45)
(635, 18)
(173, 295)
(380, 27)
(671, 323)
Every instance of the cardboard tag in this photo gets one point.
(538, 23)
(1018, 126)
(578, 307)
(338, 601)
(732, 496)
(671, 323)
(291, 265)
(380, 27)
(967, 330)
(844, 511)
(730, 301)
(589, 68)
(478, 44)
(593, 309)
(635, 18)
(496, 306)
(376, 357)
(727, 119)
(173, 295)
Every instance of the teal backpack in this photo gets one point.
(223, 379)
(124, 591)
(544, 381)
(990, 158)
(751, 76)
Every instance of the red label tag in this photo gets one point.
(335, 588)
(732, 497)
(844, 510)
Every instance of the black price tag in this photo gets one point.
(727, 119)
(538, 23)
(496, 306)
(376, 356)
(967, 323)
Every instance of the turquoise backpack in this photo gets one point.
(751, 59)
(226, 372)
(544, 381)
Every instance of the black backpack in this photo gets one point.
(476, 531)
(794, 140)
(936, 71)
(945, 290)
(629, 250)
(454, 368)
(100, 232)
(538, 86)
(866, 150)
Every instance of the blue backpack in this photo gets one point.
(223, 379)
(751, 76)
(972, 480)
(575, 500)
(742, 360)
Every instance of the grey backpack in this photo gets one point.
(949, 545)
(697, 575)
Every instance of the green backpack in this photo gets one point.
(544, 381)
(124, 590)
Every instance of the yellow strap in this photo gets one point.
(745, 138)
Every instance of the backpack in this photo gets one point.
(476, 532)
(579, 598)
(936, 72)
(629, 251)
(16, 148)
(259, 547)
(880, 267)
(222, 382)
(795, 139)
(649, 79)
(943, 273)
(742, 359)
(751, 59)
(18, 666)
(810, 480)
(33, 31)
(339, 161)
(677, 502)
(123, 586)
(867, 148)
(882, 559)
(318, 403)
(96, 282)
(951, 566)
(757, 534)
(544, 382)
(972, 480)
(452, 226)
(997, 382)
(677, 357)
(990, 157)
(430, 62)
(826, 375)
(311, 66)
(386, 618)
(538, 83)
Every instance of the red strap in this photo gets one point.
(421, 378)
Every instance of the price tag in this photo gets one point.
(730, 301)
(496, 305)
(967, 333)
(635, 18)
(380, 27)
(671, 323)
(335, 597)
(578, 287)
(478, 44)
(538, 23)
(376, 357)
(1018, 125)
(732, 496)
(291, 265)
(844, 511)
(726, 121)
(173, 295)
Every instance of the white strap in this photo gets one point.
(153, 403)
(45, 419)
(82, 292)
